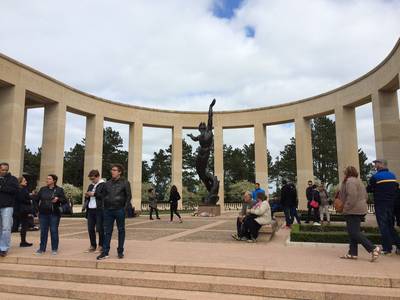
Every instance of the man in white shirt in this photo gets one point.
(93, 206)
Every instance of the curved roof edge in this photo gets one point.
(395, 48)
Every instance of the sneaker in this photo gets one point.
(316, 224)
(244, 239)
(91, 249)
(386, 253)
(252, 241)
(3, 253)
(180, 221)
(99, 249)
(120, 255)
(158, 218)
(102, 256)
(235, 236)
(39, 252)
(25, 244)
(54, 252)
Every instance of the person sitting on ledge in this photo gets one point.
(257, 216)
(248, 202)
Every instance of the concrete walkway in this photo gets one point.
(208, 242)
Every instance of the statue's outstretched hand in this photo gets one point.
(213, 103)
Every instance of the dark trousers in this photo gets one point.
(151, 212)
(314, 213)
(110, 216)
(384, 217)
(47, 222)
(353, 223)
(24, 219)
(240, 227)
(397, 215)
(291, 214)
(95, 222)
(251, 227)
(174, 210)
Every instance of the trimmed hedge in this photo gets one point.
(329, 234)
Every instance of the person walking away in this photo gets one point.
(49, 199)
(289, 203)
(116, 194)
(174, 197)
(153, 203)
(384, 186)
(257, 190)
(258, 215)
(309, 197)
(325, 201)
(248, 202)
(8, 192)
(93, 206)
(354, 197)
(315, 204)
(24, 204)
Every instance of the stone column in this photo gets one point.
(12, 114)
(387, 128)
(21, 170)
(304, 159)
(260, 145)
(135, 163)
(52, 160)
(176, 164)
(219, 162)
(93, 147)
(346, 139)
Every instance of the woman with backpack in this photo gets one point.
(51, 201)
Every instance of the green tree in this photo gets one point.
(161, 170)
(285, 164)
(73, 165)
(323, 133)
(112, 151)
(365, 167)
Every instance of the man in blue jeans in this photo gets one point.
(384, 186)
(8, 190)
(116, 195)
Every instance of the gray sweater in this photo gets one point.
(354, 196)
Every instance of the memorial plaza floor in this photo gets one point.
(196, 259)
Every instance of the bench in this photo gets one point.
(267, 231)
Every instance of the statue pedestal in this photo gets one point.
(206, 210)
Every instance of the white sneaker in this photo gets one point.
(316, 224)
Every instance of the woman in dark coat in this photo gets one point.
(173, 200)
(23, 201)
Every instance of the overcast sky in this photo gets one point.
(180, 54)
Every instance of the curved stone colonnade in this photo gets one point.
(22, 87)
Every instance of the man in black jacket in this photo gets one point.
(93, 206)
(116, 195)
(8, 190)
(289, 203)
(309, 196)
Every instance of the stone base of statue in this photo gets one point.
(209, 210)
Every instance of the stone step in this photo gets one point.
(9, 296)
(85, 291)
(242, 272)
(199, 283)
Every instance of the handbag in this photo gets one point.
(313, 203)
(338, 203)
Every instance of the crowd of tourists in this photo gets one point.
(106, 203)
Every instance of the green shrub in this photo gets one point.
(73, 193)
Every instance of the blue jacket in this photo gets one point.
(384, 186)
(256, 191)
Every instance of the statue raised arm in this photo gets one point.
(210, 115)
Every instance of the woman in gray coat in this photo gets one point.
(354, 197)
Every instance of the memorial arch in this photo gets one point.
(22, 87)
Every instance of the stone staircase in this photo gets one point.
(41, 278)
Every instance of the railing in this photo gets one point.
(229, 206)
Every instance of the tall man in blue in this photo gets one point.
(8, 190)
(384, 186)
(116, 195)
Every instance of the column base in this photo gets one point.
(206, 210)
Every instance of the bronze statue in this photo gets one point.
(206, 140)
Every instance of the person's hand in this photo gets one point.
(55, 200)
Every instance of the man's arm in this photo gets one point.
(210, 115)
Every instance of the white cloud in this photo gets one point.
(176, 54)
